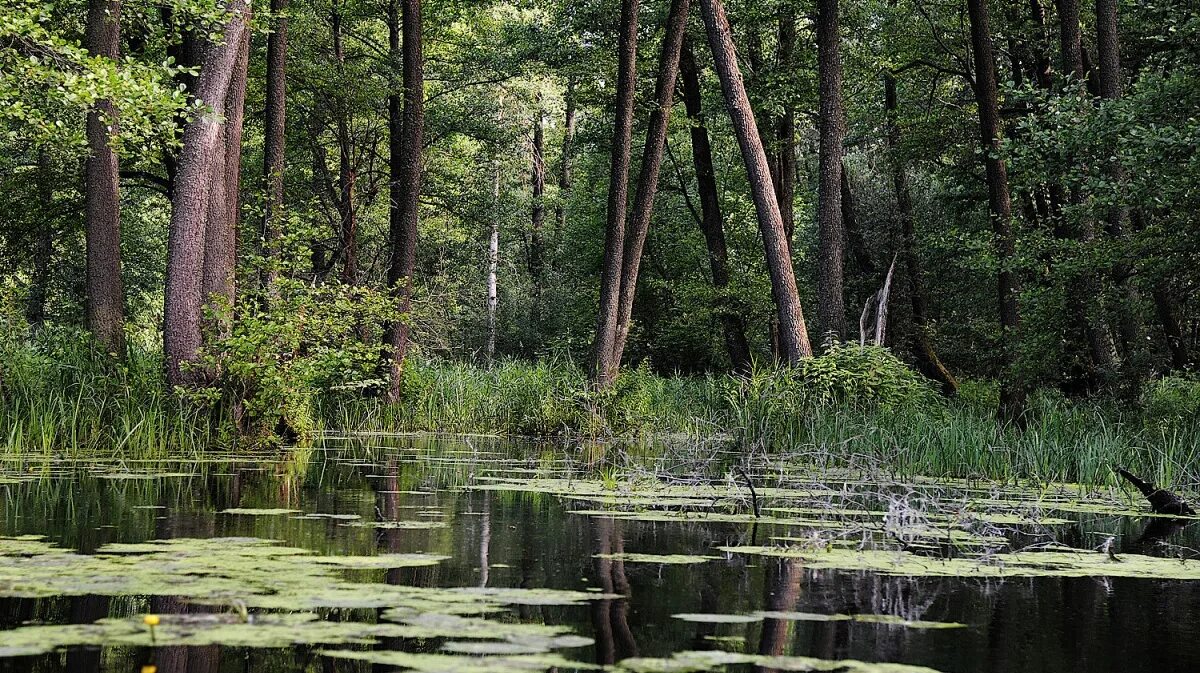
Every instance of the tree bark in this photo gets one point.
(647, 184)
(711, 224)
(1012, 391)
(794, 343)
(564, 165)
(105, 292)
(493, 297)
(920, 341)
(785, 128)
(406, 190)
(831, 243)
(854, 237)
(604, 370)
(274, 138)
(537, 184)
(201, 151)
(347, 175)
(1168, 316)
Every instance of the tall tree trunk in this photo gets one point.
(537, 183)
(794, 343)
(105, 292)
(604, 370)
(347, 175)
(201, 151)
(831, 243)
(43, 244)
(921, 342)
(406, 170)
(493, 297)
(564, 165)
(1012, 391)
(220, 233)
(1168, 316)
(1108, 54)
(854, 237)
(785, 128)
(274, 124)
(732, 325)
(647, 184)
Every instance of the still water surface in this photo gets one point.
(532, 540)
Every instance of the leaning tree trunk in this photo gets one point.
(732, 325)
(647, 184)
(274, 139)
(604, 370)
(105, 292)
(920, 341)
(831, 236)
(1012, 391)
(794, 343)
(202, 150)
(405, 188)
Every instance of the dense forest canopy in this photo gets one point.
(322, 188)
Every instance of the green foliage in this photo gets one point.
(1172, 400)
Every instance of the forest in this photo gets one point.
(222, 222)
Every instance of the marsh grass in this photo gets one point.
(848, 409)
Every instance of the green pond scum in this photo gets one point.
(439, 555)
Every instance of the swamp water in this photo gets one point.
(434, 554)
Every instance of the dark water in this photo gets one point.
(505, 539)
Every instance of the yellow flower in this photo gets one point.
(150, 620)
(150, 669)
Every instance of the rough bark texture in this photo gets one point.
(406, 195)
(831, 236)
(785, 128)
(202, 149)
(647, 184)
(105, 292)
(921, 342)
(1012, 391)
(564, 165)
(537, 185)
(732, 325)
(604, 370)
(793, 334)
(274, 124)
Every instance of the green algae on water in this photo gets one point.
(718, 660)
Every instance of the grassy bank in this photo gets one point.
(846, 409)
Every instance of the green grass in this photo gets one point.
(846, 409)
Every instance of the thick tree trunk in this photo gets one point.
(220, 233)
(1012, 391)
(202, 150)
(406, 171)
(274, 124)
(604, 370)
(785, 128)
(793, 334)
(831, 236)
(647, 184)
(564, 161)
(732, 325)
(920, 340)
(105, 292)
(1108, 54)
(43, 244)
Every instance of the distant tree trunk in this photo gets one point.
(831, 243)
(1108, 53)
(220, 233)
(711, 224)
(201, 152)
(274, 138)
(406, 195)
(794, 343)
(493, 297)
(604, 370)
(347, 175)
(105, 292)
(921, 343)
(537, 183)
(564, 165)
(1168, 316)
(647, 184)
(785, 128)
(1012, 391)
(854, 237)
(43, 243)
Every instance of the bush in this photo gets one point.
(1172, 400)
